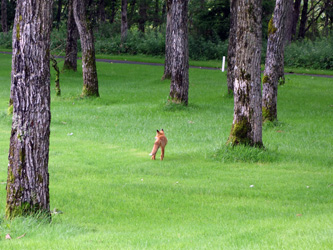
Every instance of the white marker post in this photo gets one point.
(223, 62)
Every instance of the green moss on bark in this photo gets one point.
(239, 132)
(271, 28)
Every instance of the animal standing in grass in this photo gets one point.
(161, 141)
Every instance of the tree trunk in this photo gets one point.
(168, 43)
(4, 16)
(247, 123)
(304, 18)
(90, 81)
(296, 12)
(179, 73)
(274, 60)
(113, 10)
(71, 43)
(289, 23)
(142, 15)
(232, 47)
(101, 11)
(58, 17)
(124, 24)
(28, 177)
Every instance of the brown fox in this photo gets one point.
(161, 141)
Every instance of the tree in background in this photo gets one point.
(71, 43)
(124, 24)
(28, 177)
(274, 59)
(247, 123)
(85, 28)
(4, 16)
(180, 65)
(168, 42)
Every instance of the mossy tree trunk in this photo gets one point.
(232, 47)
(274, 60)
(4, 16)
(168, 43)
(71, 43)
(84, 25)
(28, 177)
(180, 65)
(247, 122)
(124, 24)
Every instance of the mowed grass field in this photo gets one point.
(204, 195)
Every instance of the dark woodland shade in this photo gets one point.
(28, 177)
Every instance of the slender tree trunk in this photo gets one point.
(296, 12)
(143, 15)
(168, 43)
(58, 17)
(4, 16)
(274, 59)
(57, 80)
(71, 43)
(28, 177)
(180, 65)
(304, 18)
(124, 24)
(113, 10)
(131, 14)
(232, 47)
(90, 81)
(247, 122)
(101, 11)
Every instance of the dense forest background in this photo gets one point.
(309, 37)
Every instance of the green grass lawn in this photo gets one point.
(204, 195)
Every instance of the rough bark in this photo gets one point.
(124, 24)
(274, 60)
(180, 65)
(71, 43)
(304, 19)
(232, 47)
(28, 177)
(168, 42)
(82, 20)
(4, 16)
(247, 122)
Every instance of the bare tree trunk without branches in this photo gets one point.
(274, 60)
(296, 12)
(90, 81)
(232, 47)
(28, 177)
(168, 43)
(124, 24)
(304, 19)
(180, 65)
(71, 43)
(4, 16)
(247, 123)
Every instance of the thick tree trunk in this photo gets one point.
(90, 81)
(247, 122)
(4, 16)
(274, 60)
(28, 177)
(71, 43)
(232, 47)
(304, 19)
(124, 24)
(180, 65)
(168, 43)
(296, 12)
